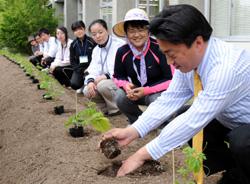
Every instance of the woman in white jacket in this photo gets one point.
(99, 80)
(60, 67)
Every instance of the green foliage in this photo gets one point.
(90, 116)
(48, 83)
(193, 162)
(22, 18)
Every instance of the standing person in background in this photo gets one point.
(80, 54)
(221, 108)
(99, 81)
(60, 67)
(50, 47)
(141, 70)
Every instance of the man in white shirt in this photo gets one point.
(221, 108)
(50, 47)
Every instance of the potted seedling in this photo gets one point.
(89, 116)
(47, 96)
(59, 109)
(43, 85)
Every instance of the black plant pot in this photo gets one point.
(59, 109)
(35, 81)
(47, 97)
(76, 131)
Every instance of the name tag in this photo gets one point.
(83, 59)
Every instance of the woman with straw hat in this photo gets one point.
(141, 70)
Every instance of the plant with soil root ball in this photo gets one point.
(88, 116)
(109, 148)
(193, 163)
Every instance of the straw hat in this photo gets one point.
(133, 14)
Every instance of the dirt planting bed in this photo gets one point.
(35, 147)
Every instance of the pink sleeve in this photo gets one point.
(159, 87)
(120, 83)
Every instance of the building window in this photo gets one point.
(152, 7)
(79, 10)
(106, 11)
(230, 19)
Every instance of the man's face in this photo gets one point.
(45, 37)
(181, 57)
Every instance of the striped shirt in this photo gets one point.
(225, 76)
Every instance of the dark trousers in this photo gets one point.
(77, 80)
(129, 107)
(36, 60)
(47, 61)
(63, 74)
(227, 149)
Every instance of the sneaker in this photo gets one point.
(45, 70)
(112, 114)
(79, 91)
(230, 177)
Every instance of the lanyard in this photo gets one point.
(79, 48)
(140, 78)
(103, 62)
(142, 54)
(63, 52)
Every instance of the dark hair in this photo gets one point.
(180, 24)
(77, 24)
(135, 24)
(43, 30)
(98, 21)
(65, 31)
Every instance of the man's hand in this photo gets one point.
(43, 62)
(133, 162)
(38, 53)
(51, 69)
(123, 136)
(91, 90)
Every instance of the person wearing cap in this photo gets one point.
(141, 71)
(36, 47)
(99, 83)
(80, 54)
(33, 43)
(221, 107)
